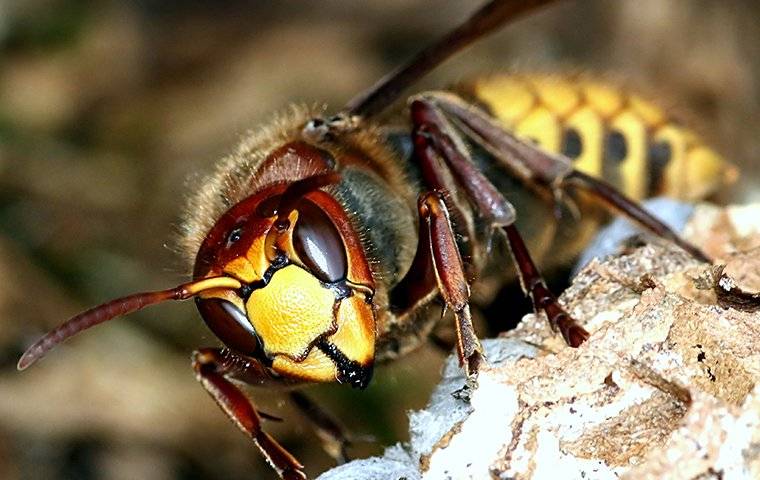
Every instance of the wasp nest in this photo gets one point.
(668, 385)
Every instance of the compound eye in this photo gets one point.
(229, 324)
(318, 244)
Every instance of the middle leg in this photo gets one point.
(436, 143)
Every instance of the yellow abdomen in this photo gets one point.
(608, 132)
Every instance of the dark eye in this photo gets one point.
(318, 243)
(229, 324)
(234, 236)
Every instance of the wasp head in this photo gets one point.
(281, 276)
(305, 301)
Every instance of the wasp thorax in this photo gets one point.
(305, 306)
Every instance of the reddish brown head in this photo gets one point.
(305, 304)
(281, 276)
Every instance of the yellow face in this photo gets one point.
(306, 307)
(295, 312)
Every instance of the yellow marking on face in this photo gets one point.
(633, 168)
(284, 242)
(251, 267)
(556, 94)
(356, 330)
(603, 99)
(541, 126)
(591, 131)
(291, 312)
(508, 98)
(242, 268)
(212, 283)
(316, 367)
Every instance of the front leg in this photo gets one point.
(450, 277)
(213, 368)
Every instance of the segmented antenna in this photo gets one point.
(117, 308)
(489, 18)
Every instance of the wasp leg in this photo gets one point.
(335, 439)
(622, 204)
(450, 277)
(543, 299)
(553, 172)
(438, 260)
(434, 139)
(213, 367)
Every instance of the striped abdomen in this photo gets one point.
(608, 132)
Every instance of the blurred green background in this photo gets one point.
(110, 111)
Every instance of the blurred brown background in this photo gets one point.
(108, 108)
